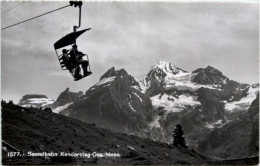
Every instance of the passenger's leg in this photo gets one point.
(85, 68)
(77, 72)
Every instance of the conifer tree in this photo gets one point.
(178, 139)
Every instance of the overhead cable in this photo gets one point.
(35, 17)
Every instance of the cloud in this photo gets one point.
(133, 36)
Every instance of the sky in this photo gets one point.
(134, 36)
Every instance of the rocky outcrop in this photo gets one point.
(66, 97)
(236, 139)
(229, 90)
(254, 119)
(115, 103)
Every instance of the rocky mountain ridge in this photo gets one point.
(65, 99)
(202, 101)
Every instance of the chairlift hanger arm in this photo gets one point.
(76, 27)
(77, 4)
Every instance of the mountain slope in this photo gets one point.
(202, 101)
(205, 98)
(65, 99)
(152, 106)
(237, 139)
(114, 103)
(43, 131)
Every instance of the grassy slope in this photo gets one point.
(37, 130)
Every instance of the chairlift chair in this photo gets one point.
(70, 39)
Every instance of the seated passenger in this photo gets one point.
(66, 60)
(77, 58)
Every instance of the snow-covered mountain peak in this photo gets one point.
(110, 76)
(113, 73)
(162, 71)
(166, 68)
(212, 69)
(210, 76)
(116, 78)
(209, 71)
(35, 100)
(159, 75)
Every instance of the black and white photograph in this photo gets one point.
(130, 82)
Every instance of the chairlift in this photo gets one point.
(70, 39)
